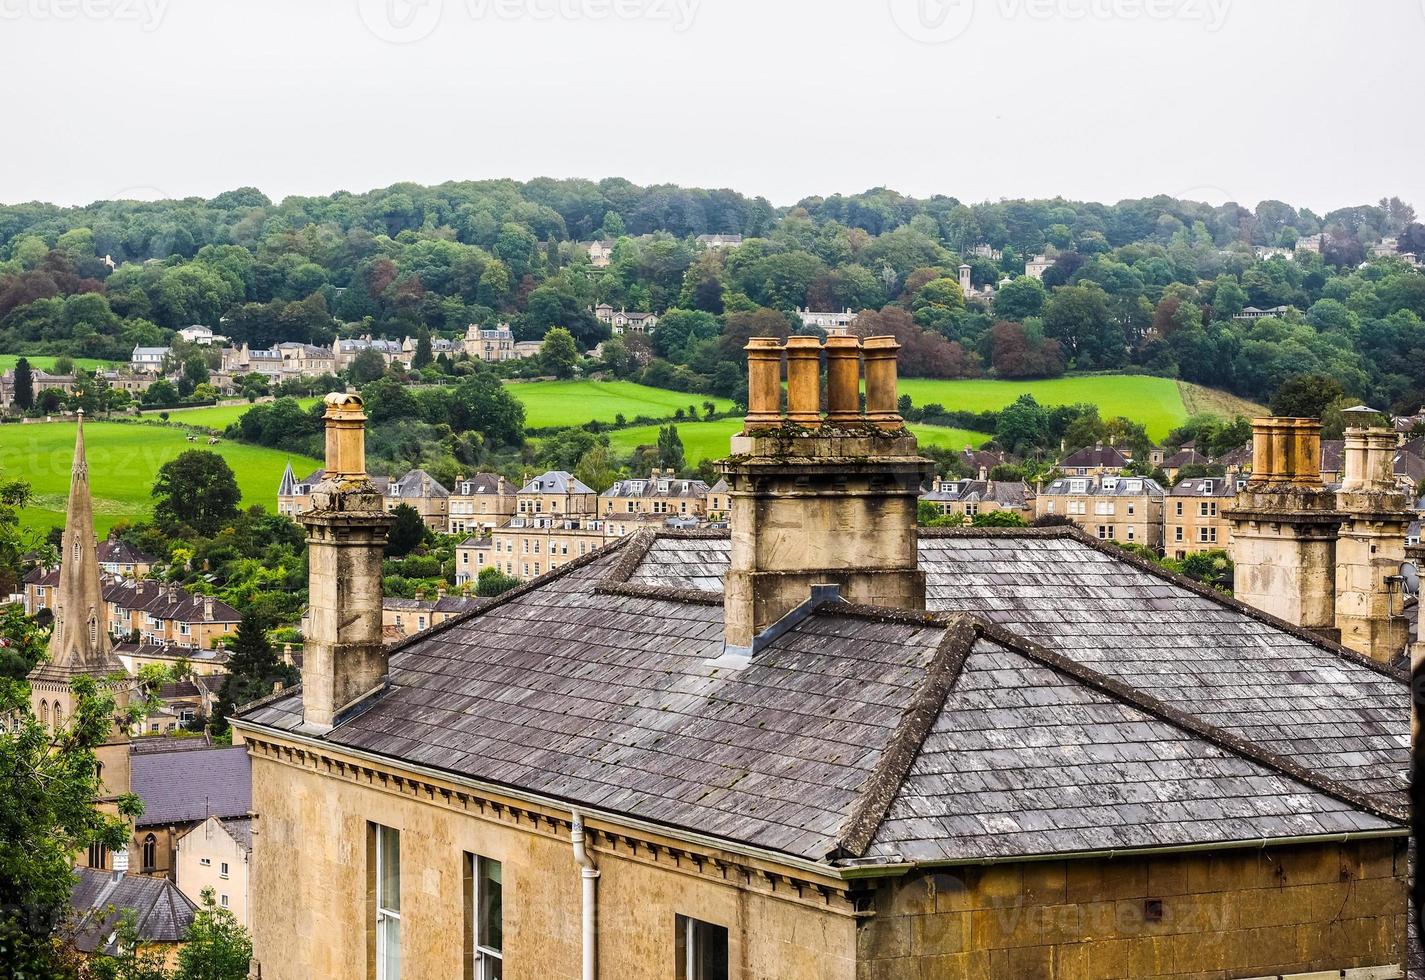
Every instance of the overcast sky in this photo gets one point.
(1307, 101)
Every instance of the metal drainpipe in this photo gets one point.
(589, 872)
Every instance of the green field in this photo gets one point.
(710, 440)
(123, 460)
(562, 403)
(1157, 403)
(45, 362)
(216, 417)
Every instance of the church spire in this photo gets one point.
(80, 641)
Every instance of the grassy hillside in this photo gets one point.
(123, 461)
(1216, 402)
(710, 440)
(551, 403)
(216, 417)
(44, 362)
(1155, 402)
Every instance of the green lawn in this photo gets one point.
(123, 460)
(551, 403)
(216, 417)
(710, 440)
(45, 362)
(1157, 403)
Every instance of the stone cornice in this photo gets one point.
(788, 879)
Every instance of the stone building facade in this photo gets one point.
(1126, 509)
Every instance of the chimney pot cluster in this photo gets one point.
(1286, 451)
(844, 357)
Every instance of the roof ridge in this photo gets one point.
(1135, 698)
(878, 791)
(1231, 602)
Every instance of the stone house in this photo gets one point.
(423, 492)
(1196, 518)
(480, 503)
(556, 493)
(823, 745)
(148, 360)
(1126, 509)
(344, 351)
(600, 253)
(527, 547)
(217, 854)
(622, 321)
(121, 560)
(492, 345)
(39, 381)
(1096, 460)
(1188, 455)
(715, 242)
(661, 495)
(306, 360)
(833, 323)
(161, 913)
(967, 498)
(166, 614)
(719, 502)
(403, 618)
(1037, 266)
(180, 790)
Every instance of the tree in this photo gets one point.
(596, 468)
(999, 518)
(215, 945)
(492, 582)
(253, 669)
(480, 402)
(367, 365)
(408, 531)
(424, 355)
(558, 355)
(24, 384)
(196, 488)
(1306, 396)
(1020, 299)
(670, 448)
(49, 790)
(160, 393)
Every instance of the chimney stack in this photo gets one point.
(1284, 527)
(344, 659)
(1375, 514)
(821, 501)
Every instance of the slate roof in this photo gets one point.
(417, 483)
(162, 913)
(657, 487)
(163, 601)
(180, 787)
(556, 481)
(1212, 486)
(116, 552)
(1187, 456)
(1106, 457)
(1006, 493)
(484, 483)
(1059, 697)
(1105, 486)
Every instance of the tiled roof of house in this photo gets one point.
(1211, 486)
(167, 601)
(1059, 696)
(417, 483)
(162, 914)
(180, 787)
(1187, 456)
(1107, 457)
(484, 484)
(1006, 493)
(1105, 486)
(113, 551)
(556, 481)
(657, 486)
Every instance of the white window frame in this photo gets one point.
(487, 958)
(384, 913)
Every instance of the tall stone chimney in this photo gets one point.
(344, 659)
(1284, 526)
(1375, 514)
(819, 501)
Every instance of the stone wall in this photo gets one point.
(1212, 916)
(309, 889)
